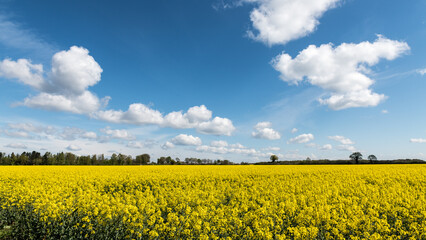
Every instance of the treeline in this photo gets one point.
(332, 162)
(36, 158)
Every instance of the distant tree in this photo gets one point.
(372, 158)
(114, 159)
(273, 158)
(161, 160)
(70, 158)
(356, 156)
(308, 159)
(142, 159)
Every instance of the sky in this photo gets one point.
(217, 79)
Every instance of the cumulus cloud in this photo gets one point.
(167, 145)
(341, 70)
(422, 71)
(118, 133)
(349, 148)
(303, 138)
(294, 130)
(135, 144)
(189, 140)
(198, 114)
(326, 147)
(23, 71)
(89, 135)
(384, 111)
(343, 140)
(418, 140)
(280, 21)
(220, 143)
(217, 126)
(16, 145)
(263, 130)
(137, 113)
(73, 147)
(66, 88)
(237, 145)
(84, 103)
(197, 117)
(73, 71)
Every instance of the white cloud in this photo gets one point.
(264, 131)
(326, 147)
(73, 147)
(341, 70)
(167, 145)
(18, 134)
(303, 138)
(118, 133)
(23, 71)
(183, 139)
(135, 144)
(29, 127)
(217, 126)
(343, 140)
(220, 143)
(197, 117)
(418, 140)
(137, 113)
(384, 111)
(280, 21)
(294, 130)
(198, 114)
(16, 145)
(71, 133)
(73, 71)
(237, 145)
(89, 135)
(87, 102)
(422, 71)
(349, 148)
(65, 89)
(190, 119)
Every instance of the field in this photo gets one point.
(213, 202)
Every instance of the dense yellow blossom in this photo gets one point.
(220, 202)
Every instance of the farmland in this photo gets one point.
(213, 202)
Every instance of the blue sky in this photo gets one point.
(237, 80)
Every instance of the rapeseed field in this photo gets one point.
(213, 202)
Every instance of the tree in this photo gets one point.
(356, 156)
(273, 158)
(372, 158)
(142, 159)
